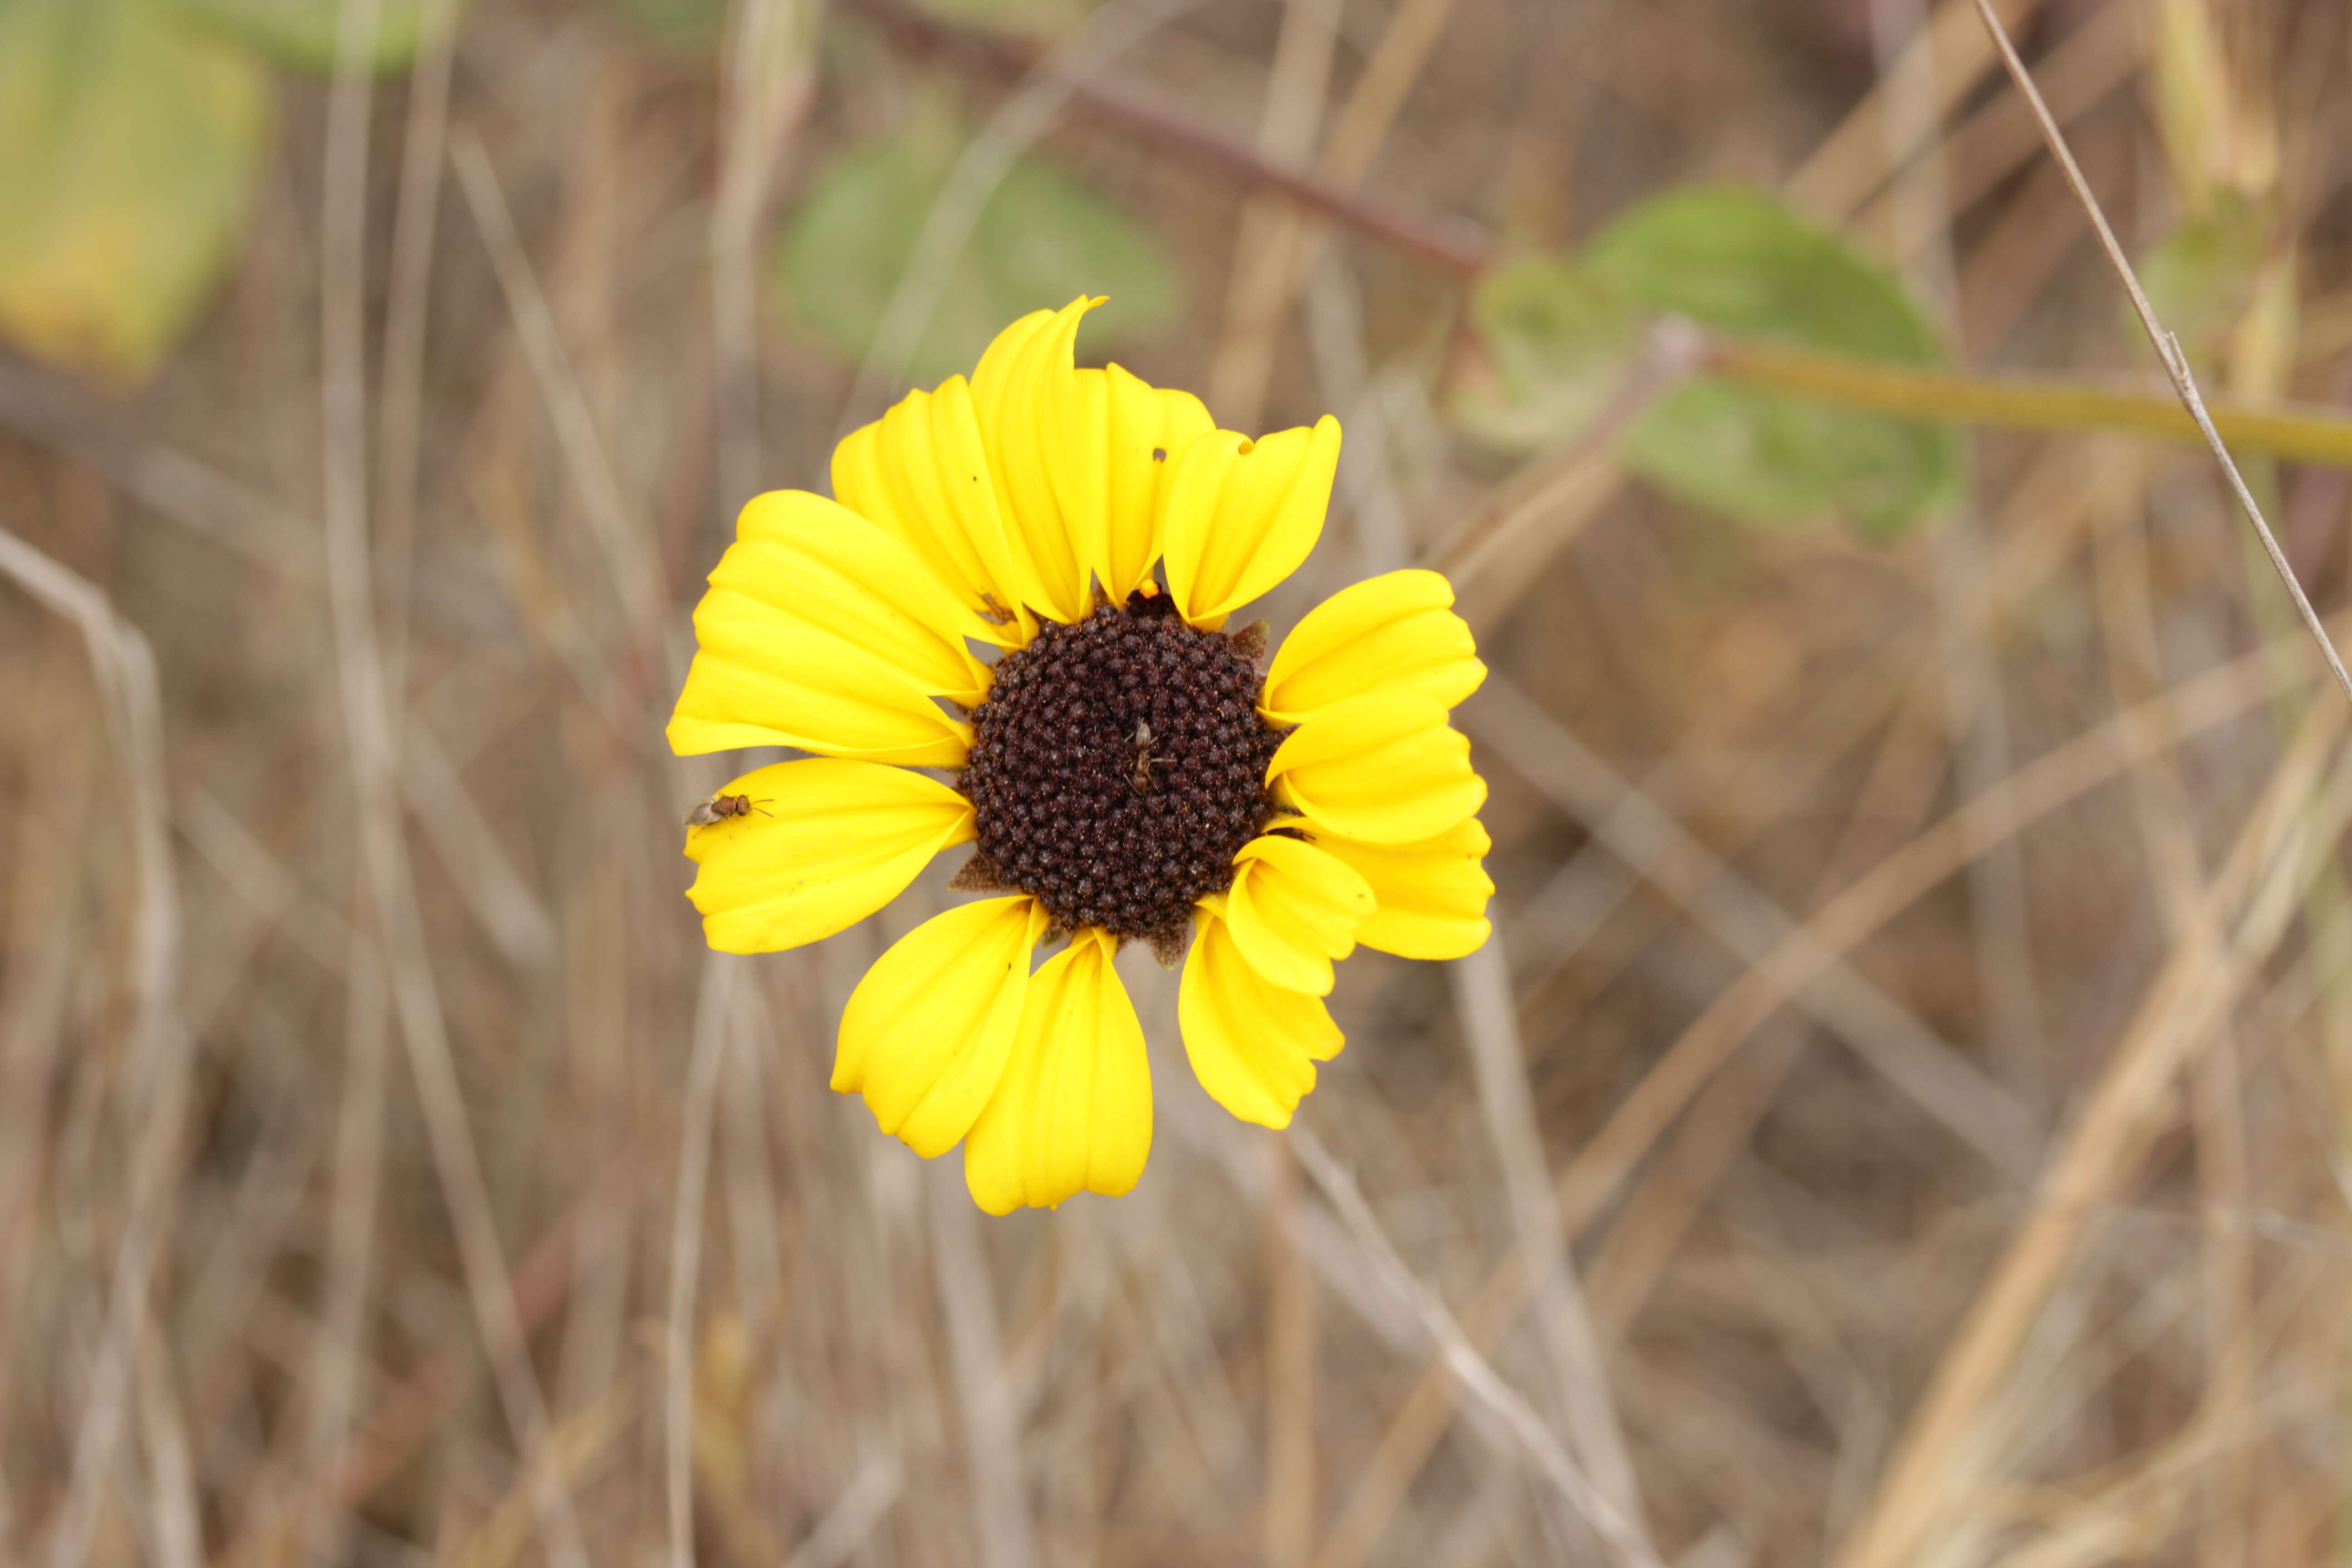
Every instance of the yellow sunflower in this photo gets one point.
(1127, 770)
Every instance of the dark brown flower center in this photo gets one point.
(1116, 765)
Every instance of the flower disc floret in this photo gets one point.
(1118, 766)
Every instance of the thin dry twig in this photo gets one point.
(1854, 159)
(511, 914)
(1881, 1030)
(854, 1516)
(983, 1394)
(1984, 149)
(400, 412)
(1606, 1160)
(1489, 1019)
(124, 672)
(374, 763)
(769, 79)
(408, 1412)
(712, 1031)
(1976, 710)
(178, 1537)
(630, 562)
(45, 407)
(1478, 1376)
(1288, 1521)
(1257, 300)
(2050, 782)
(1256, 290)
(1941, 1464)
(357, 1180)
(2168, 347)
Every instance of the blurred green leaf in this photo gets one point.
(1560, 343)
(128, 143)
(2201, 276)
(1560, 337)
(301, 33)
(1738, 260)
(1043, 239)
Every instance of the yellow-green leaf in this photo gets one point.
(128, 143)
(1042, 239)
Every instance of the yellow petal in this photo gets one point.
(1253, 1044)
(1384, 769)
(921, 473)
(1047, 433)
(1073, 1111)
(819, 562)
(1239, 516)
(927, 1033)
(1293, 909)
(1149, 429)
(826, 844)
(1433, 895)
(1394, 633)
(822, 631)
(763, 678)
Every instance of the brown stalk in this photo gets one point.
(1445, 244)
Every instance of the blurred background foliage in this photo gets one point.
(134, 132)
(1041, 239)
(1902, 1119)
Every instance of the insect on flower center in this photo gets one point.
(1116, 765)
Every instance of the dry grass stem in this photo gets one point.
(124, 673)
(1482, 999)
(367, 716)
(2168, 347)
(1291, 1483)
(1879, 1029)
(1940, 1466)
(713, 1032)
(1478, 1377)
(985, 1400)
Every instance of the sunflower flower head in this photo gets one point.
(1126, 767)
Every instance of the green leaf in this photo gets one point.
(1738, 260)
(2201, 276)
(129, 144)
(1560, 342)
(1041, 240)
(301, 33)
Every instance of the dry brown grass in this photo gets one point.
(1903, 1119)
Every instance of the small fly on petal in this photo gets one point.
(712, 810)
